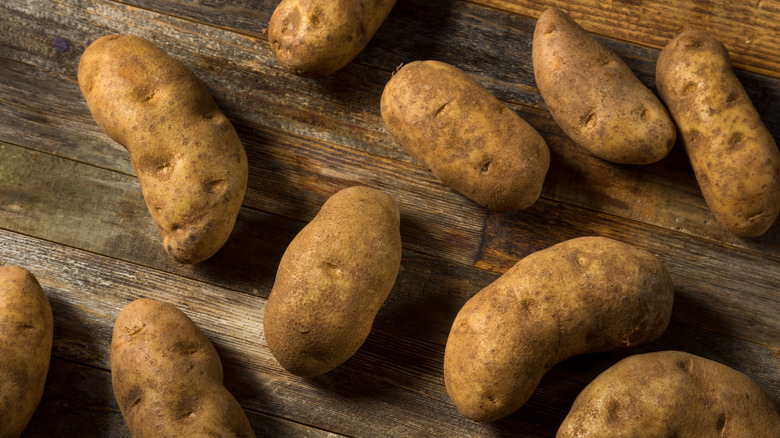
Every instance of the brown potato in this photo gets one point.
(595, 97)
(317, 37)
(189, 160)
(332, 280)
(583, 295)
(735, 159)
(671, 394)
(26, 331)
(468, 139)
(167, 376)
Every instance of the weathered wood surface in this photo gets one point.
(71, 209)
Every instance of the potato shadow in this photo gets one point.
(413, 30)
(77, 379)
(248, 260)
(427, 295)
(764, 92)
(78, 401)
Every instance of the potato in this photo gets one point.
(671, 394)
(188, 158)
(470, 141)
(26, 331)
(332, 280)
(317, 37)
(595, 97)
(588, 294)
(167, 376)
(736, 161)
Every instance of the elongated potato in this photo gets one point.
(332, 280)
(595, 97)
(26, 331)
(468, 139)
(583, 295)
(736, 161)
(167, 376)
(188, 158)
(671, 394)
(317, 37)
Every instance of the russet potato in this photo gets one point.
(584, 295)
(189, 160)
(735, 158)
(332, 280)
(167, 376)
(595, 97)
(469, 140)
(317, 37)
(671, 394)
(26, 332)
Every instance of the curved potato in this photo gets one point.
(671, 394)
(584, 295)
(317, 37)
(189, 160)
(736, 161)
(595, 97)
(468, 139)
(332, 280)
(26, 332)
(167, 376)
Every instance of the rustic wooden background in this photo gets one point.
(71, 209)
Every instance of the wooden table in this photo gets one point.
(71, 209)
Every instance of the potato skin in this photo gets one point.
(189, 160)
(584, 295)
(332, 280)
(671, 394)
(26, 331)
(595, 97)
(317, 37)
(736, 161)
(468, 139)
(167, 376)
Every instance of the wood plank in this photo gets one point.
(44, 195)
(90, 208)
(750, 30)
(391, 387)
(667, 194)
(78, 402)
(706, 280)
(405, 398)
(429, 292)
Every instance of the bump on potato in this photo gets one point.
(671, 393)
(595, 97)
(317, 37)
(26, 332)
(332, 280)
(735, 158)
(468, 139)
(189, 160)
(583, 295)
(167, 376)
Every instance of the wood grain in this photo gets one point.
(71, 208)
(56, 193)
(79, 402)
(394, 375)
(338, 113)
(750, 30)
